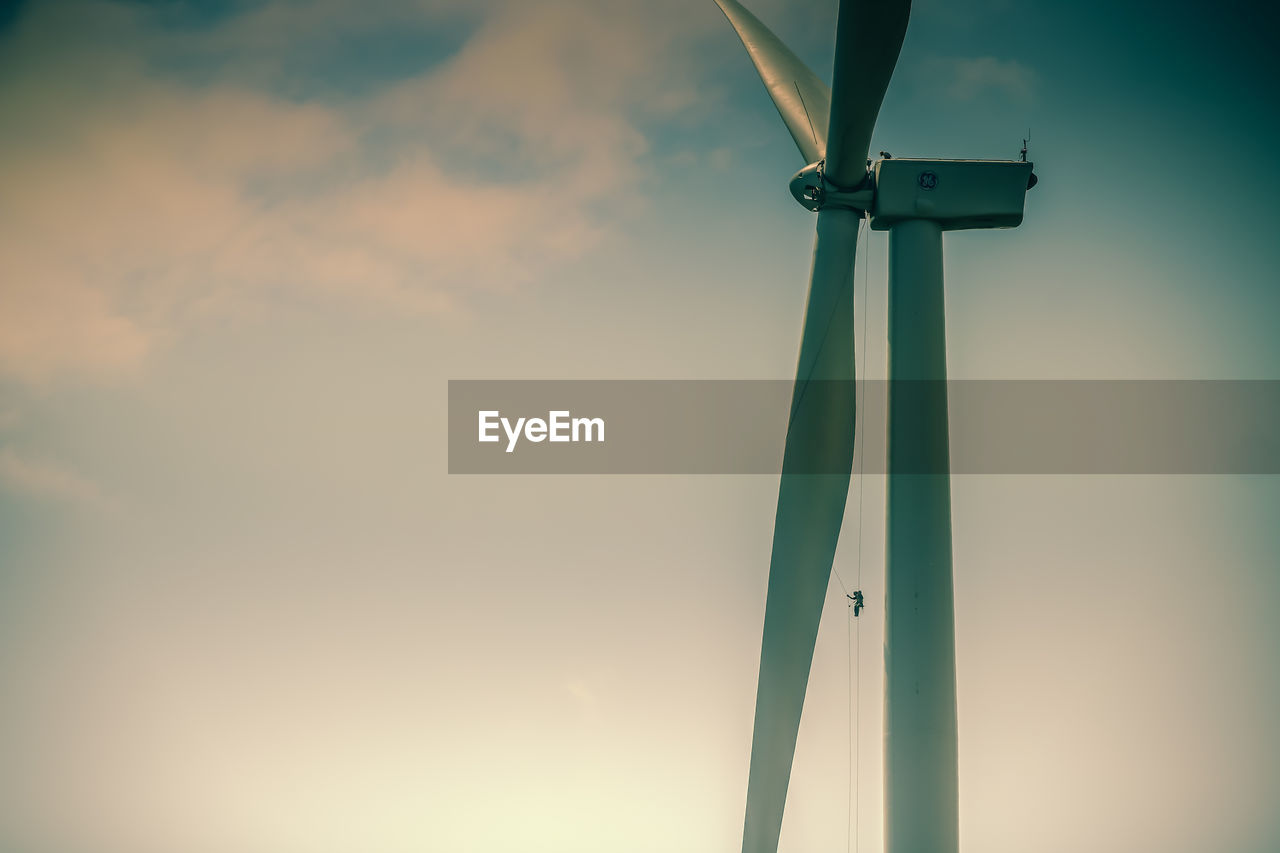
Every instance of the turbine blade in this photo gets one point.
(802, 99)
(811, 499)
(869, 37)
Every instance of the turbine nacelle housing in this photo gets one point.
(957, 194)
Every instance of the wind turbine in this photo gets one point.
(915, 201)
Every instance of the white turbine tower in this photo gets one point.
(915, 200)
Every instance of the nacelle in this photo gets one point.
(957, 194)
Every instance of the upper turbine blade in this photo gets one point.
(802, 99)
(811, 499)
(869, 37)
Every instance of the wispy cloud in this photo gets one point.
(138, 203)
(967, 78)
(585, 698)
(44, 479)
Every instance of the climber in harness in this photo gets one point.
(856, 598)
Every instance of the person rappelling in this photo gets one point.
(856, 598)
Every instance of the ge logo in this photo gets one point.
(928, 180)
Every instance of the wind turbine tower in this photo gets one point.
(915, 200)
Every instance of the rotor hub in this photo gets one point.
(814, 191)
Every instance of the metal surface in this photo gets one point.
(957, 194)
(820, 436)
(916, 200)
(807, 525)
(802, 99)
(813, 191)
(921, 771)
(869, 37)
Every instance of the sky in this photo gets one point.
(245, 609)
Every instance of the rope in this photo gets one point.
(860, 411)
(856, 772)
(836, 574)
(861, 433)
(853, 635)
(849, 736)
(859, 453)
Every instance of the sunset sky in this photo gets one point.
(245, 609)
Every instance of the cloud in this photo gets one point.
(45, 480)
(584, 698)
(969, 78)
(140, 201)
(720, 159)
(113, 233)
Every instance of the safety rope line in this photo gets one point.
(856, 738)
(853, 634)
(859, 453)
(836, 574)
(848, 643)
(861, 433)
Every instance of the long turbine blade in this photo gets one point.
(820, 438)
(869, 37)
(802, 99)
(811, 499)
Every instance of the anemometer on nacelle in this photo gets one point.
(957, 194)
